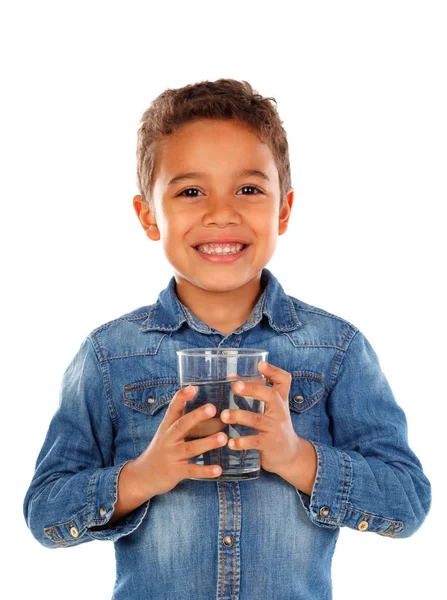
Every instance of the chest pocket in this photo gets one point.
(305, 399)
(148, 402)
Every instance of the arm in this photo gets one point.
(75, 484)
(369, 479)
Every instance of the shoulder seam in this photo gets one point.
(340, 356)
(321, 312)
(103, 367)
(143, 315)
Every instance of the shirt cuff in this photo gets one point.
(102, 495)
(328, 506)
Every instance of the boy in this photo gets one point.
(215, 189)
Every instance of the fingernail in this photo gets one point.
(224, 415)
(239, 386)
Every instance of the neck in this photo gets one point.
(224, 311)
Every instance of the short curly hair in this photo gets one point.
(220, 99)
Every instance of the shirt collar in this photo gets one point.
(168, 313)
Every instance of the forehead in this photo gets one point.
(215, 147)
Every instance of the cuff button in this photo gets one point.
(324, 511)
(102, 511)
(74, 532)
(363, 525)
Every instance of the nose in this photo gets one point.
(221, 211)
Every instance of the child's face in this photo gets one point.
(219, 203)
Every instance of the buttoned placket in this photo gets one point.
(228, 540)
(228, 492)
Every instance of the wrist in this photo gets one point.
(302, 469)
(136, 481)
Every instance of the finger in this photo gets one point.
(248, 418)
(246, 442)
(185, 423)
(280, 379)
(193, 471)
(206, 428)
(200, 446)
(250, 389)
(176, 406)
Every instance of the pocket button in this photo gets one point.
(363, 525)
(298, 398)
(74, 532)
(150, 400)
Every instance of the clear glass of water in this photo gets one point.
(212, 371)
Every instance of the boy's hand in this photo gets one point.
(164, 463)
(277, 441)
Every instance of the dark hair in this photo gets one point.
(221, 99)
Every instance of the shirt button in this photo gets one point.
(150, 400)
(102, 511)
(363, 525)
(228, 540)
(324, 511)
(298, 398)
(74, 532)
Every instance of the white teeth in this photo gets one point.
(220, 248)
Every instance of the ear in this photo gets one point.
(284, 213)
(146, 217)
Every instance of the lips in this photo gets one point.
(222, 258)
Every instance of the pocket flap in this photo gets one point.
(306, 389)
(150, 396)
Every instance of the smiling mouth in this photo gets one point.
(213, 249)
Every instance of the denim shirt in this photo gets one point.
(242, 540)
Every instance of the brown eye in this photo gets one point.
(250, 187)
(189, 190)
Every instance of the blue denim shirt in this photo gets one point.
(258, 539)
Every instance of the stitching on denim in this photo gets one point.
(120, 319)
(307, 375)
(311, 345)
(290, 304)
(90, 492)
(130, 354)
(318, 346)
(324, 313)
(134, 436)
(320, 455)
(237, 503)
(52, 530)
(317, 426)
(222, 494)
(346, 485)
(103, 367)
(341, 491)
(192, 322)
(315, 397)
(143, 385)
(159, 326)
(338, 359)
(367, 515)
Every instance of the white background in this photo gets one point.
(361, 89)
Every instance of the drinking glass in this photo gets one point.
(212, 371)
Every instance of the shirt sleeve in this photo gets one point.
(369, 479)
(75, 483)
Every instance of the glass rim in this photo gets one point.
(221, 352)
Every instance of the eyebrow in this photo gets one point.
(198, 175)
